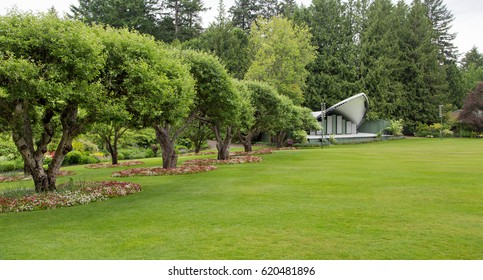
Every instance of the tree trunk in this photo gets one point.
(246, 141)
(112, 149)
(223, 145)
(23, 136)
(44, 182)
(168, 152)
(280, 138)
(247, 146)
(114, 158)
(170, 158)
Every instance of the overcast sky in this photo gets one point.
(468, 23)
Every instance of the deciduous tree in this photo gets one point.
(472, 112)
(217, 100)
(49, 71)
(268, 110)
(281, 51)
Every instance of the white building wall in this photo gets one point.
(349, 127)
(339, 124)
(329, 125)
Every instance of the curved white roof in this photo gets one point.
(353, 108)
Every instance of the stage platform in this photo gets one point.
(345, 138)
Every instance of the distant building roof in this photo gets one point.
(353, 108)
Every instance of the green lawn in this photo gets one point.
(407, 199)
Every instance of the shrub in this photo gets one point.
(332, 139)
(120, 156)
(73, 157)
(185, 142)
(133, 153)
(8, 150)
(395, 127)
(434, 130)
(299, 136)
(11, 165)
(180, 149)
(76, 157)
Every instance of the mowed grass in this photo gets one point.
(407, 199)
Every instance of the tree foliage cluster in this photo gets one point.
(166, 20)
(60, 78)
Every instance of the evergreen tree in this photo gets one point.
(472, 66)
(441, 20)
(182, 19)
(423, 76)
(456, 85)
(472, 57)
(140, 15)
(226, 41)
(244, 12)
(380, 60)
(287, 8)
(333, 74)
(269, 8)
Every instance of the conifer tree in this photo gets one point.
(441, 20)
(244, 12)
(423, 76)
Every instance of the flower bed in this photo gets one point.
(109, 165)
(256, 152)
(66, 197)
(211, 161)
(15, 178)
(200, 154)
(159, 171)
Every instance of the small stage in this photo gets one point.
(343, 137)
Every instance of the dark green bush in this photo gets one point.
(73, 157)
(76, 157)
(134, 153)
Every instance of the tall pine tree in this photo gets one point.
(140, 15)
(333, 74)
(244, 12)
(423, 76)
(380, 60)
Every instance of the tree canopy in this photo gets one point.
(281, 50)
(49, 73)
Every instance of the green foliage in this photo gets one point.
(8, 150)
(10, 165)
(281, 50)
(433, 131)
(216, 97)
(335, 29)
(228, 43)
(299, 136)
(182, 19)
(73, 157)
(244, 12)
(136, 153)
(471, 76)
(140, 15)
(395, 127)
(77, 157)
(268, 109)
(442, 21)
(472, 57)
(49, 70)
